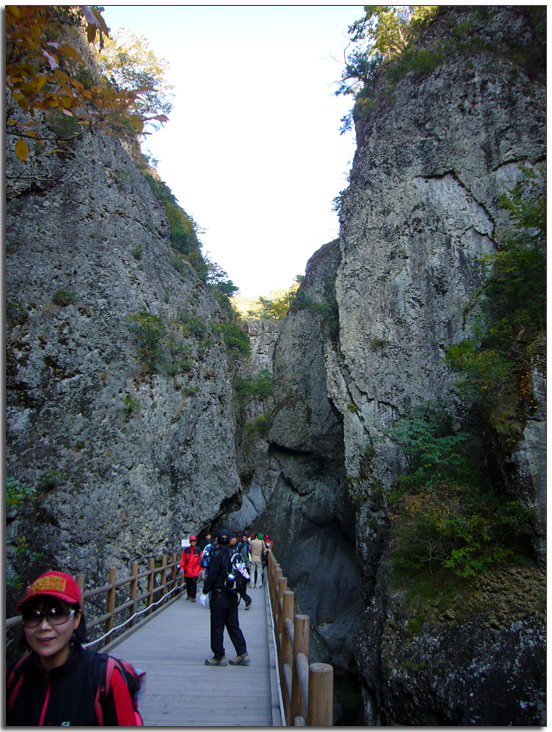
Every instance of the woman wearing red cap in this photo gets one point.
(56, 682)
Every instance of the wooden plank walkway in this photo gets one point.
(182, 691)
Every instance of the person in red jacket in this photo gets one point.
(189, 565)
(56, 682)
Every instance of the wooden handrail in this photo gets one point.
(132, 600)
(307, 691)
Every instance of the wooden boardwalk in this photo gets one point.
(182, 691)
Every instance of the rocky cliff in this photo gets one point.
(258, 471)
(118, 393)
(310, 514)
(434, 154)
(127, 418)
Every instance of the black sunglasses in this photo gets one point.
(54, 615)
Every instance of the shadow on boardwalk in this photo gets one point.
(182, 691)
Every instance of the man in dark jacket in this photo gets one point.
(223, 606)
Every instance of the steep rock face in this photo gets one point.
(119, 413)
(258, 471)
(421, 209)
(310, 514)
(263, 335)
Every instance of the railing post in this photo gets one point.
(300, 645)
(179, 577)
(277, 575)
(110, 602)
(320, 713)
(173, 572)
(272, 588)
(271, 567)
(163, 575)
(151, 567)
(286, 651)
(282, 587)
(133, 590)
(287, 613)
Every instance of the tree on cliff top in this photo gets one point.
(383, 32)
(388, 29)
(126, 62)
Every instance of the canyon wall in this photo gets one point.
(121, 414)
(258, 472)
(434, 154)
(118, 390)
(310, 515)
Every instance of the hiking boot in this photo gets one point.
(216, 661)
(248, 605)
(241, 660)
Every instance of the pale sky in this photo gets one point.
(253, 150)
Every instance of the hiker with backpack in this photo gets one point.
(240, 568)
(205, 560)
(242, 547)
(58, 682)
(221, 582)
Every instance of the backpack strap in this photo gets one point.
(15, 679)
(105, 666)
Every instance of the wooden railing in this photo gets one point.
(157, 593)
(307, 690)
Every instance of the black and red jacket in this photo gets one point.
(65, 695)
(189, 561)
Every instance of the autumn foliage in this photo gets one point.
(45, 72)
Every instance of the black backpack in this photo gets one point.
(234, 572)
(228, 577)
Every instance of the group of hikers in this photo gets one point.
(58, 681)
(253, 548)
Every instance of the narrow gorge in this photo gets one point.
(140, 409)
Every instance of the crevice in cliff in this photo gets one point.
(471, 197)
(275, 448)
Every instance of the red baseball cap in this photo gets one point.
(53, 584)
(193, 538)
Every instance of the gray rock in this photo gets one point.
(421, 210)
(139, 455)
